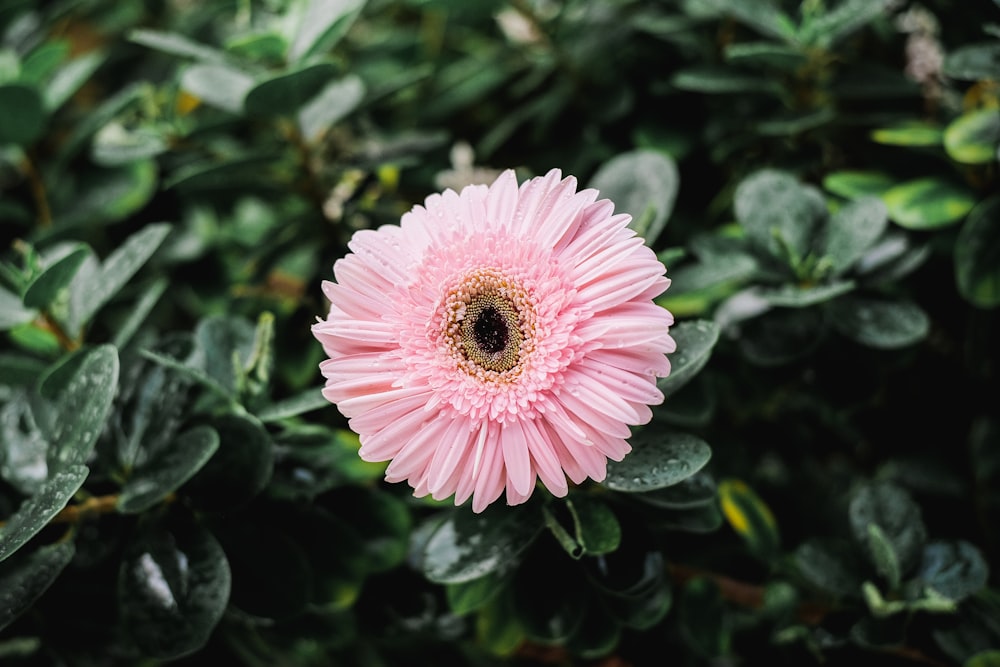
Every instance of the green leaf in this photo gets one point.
(19, 370)
(852, 230)
(97, 118)
(853, 184)
(909, 134)
(307, 401)
(139, 312)
(46, 286)
(984, 659)
(848, 16)
(23, 447)
(323, 23)
(598, 634)
(115, 145)
(36, 512)
(469, 596)
(117, 269)
(70, 78)
(23, 582)
(897, 517)
(772, 204)
(110, 194)
(642, 183)
(880, 323)
(224, 345)
(239, 470)
(955, 570)
(498, 629)
(766, 54)
(973, 62)
(12, 310)
(717, 80)
(762, 15)
(82, 392)
(175, 44)
(658, 461)
(633, 586)
(883, 556)
(973, 138)
(795, 122)
(173, 586)
(287, 93)
(782, 335)
(23, 113)
(831, 566)
(694, 492)
(795, 296)
(702, 617)
(695, 340)
(168, 469)
(928, 203)
(467, 546)
(750, 517)
(382, 522)
(594, 531)
(977, 255)
(338, 99)
(222, 86)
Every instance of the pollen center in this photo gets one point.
(491, 337)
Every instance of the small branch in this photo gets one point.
(38, 192)
(66, 341)
(90, 507)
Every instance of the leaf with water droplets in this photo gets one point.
(880, 323)
(467, 546)
(35, 512)
(642, 183)
(23, 581)
(695, 340)
(658, 461)
(168, 469)
(47, 286)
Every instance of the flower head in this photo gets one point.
(496, 337)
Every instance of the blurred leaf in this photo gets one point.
(173, 587)
(554, 617)
(695, 340)
(323, 23)
(23, 447)
(23, 113)
(768, 54)
(642, 183)
(909, 134)
(118, 268)
(36, 512)
(19, 370)
(24, 581)
(720, 80)
(897, 517)
(793, 123)
(383, 524)
(498, 629)
(168, 469)
(928, 203)
(880, 323)
(239, 470)
(109, 194)
(846, 17)
(222, 86)
(973, 138)
(331, 105)
(597, 636)
(703, 619)
(97, 118)
(831, 566)
(770, 204)
(82, 392)
(115, 145)
(973, 62)
(46, 286)
(763, 16)
(12, 310)
(750, 517)
(140, 311)
(795, 296)
(781, 335)
(657, 461)
(633, 586)
(307, 401)
(175, 44)
(471, 595)
(956, 570)
(467, 546)
(224, 344)
(857, 184)
(977, 255)
(852, 230)
(287, 93)
(984, 659)
(70, 78)
(883, 556)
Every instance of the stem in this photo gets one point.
(51, 325)
(38, 192)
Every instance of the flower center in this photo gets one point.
(491, 337)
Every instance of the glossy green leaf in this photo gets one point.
(12, 310)
(307, 401)
(224, 344)
(854, 184)
(750, 517)
(883, 556)
(771, 204)
(173, 586)
(323, 23)
(973, 138)
(287, 93)
(909, 134)
(695, 340)
(331, 105)
(830, 565)
(46, 287)
(642, 183)
(977, 255)
(23, 113)
(897, 517)
(468, 596)
(716, 81)
(657, 461)
(166, 471)
(852, 230)
(23, 581)
(880, 323)
(795, 296)
(176, 44)
(583, 525)
(239, 470)
(928, 203)
(82, 392)
(467, 546)
(694, 492)
(36, 512)
(118, 268)
(955, 570)
(497, 627)
(222, 86)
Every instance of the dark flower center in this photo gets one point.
(491, 334)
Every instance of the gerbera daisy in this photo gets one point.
(496, 337)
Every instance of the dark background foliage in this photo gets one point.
(819, 177)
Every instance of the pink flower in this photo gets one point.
(495, 337)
